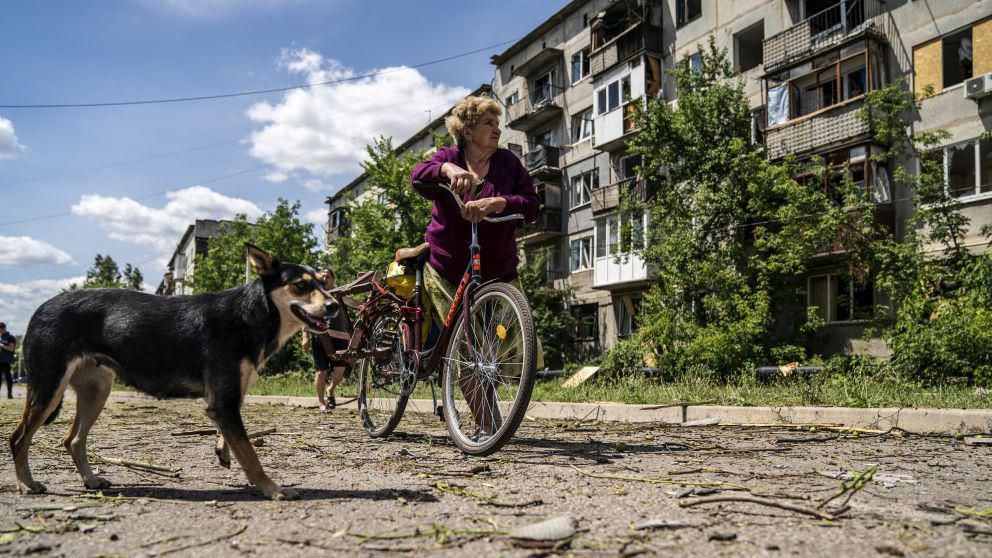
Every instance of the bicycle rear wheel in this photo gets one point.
(384, 382)
(486, 393)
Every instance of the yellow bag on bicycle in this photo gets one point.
(399, 281)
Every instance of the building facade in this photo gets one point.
(807, 66)
(194, 241)
(568, 87)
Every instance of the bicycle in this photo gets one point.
(486, 348)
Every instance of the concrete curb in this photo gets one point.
(917, 421)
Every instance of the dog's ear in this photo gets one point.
(262, 261)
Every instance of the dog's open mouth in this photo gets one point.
(313, 323)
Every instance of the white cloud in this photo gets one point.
(23, 250)
(317, 216)
(10, 148)
(127, 220)
(323, 130)
(19, 300)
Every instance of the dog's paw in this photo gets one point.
(32, 487)
(94, 483)
(282, 493)
(224, 459)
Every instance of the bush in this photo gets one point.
(623, 359)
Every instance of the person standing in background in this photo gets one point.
(7, 345)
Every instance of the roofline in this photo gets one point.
(484, 89)
(541, 29)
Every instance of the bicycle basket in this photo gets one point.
(399, 281)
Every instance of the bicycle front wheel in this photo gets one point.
(489, 374)
(384, 382)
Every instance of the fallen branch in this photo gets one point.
(663, 480)
(760, 501)
(170, 471)
(240, 530)
(260, 433)
(203, 432)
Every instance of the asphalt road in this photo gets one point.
(625, 487)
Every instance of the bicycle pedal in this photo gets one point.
(439, 411)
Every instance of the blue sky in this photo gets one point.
(82, 52)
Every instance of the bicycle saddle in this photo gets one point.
(415, 255)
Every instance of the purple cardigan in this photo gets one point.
(449, 235)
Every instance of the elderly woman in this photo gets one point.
(505, 188)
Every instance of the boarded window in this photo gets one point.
(927, 67)
(981, 35)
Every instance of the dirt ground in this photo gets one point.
(415, 493)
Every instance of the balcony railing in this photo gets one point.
(823, 30)
(541, 105)
(831, 127)
(608, 197)
(542, 157)
(638, 38)
(547, 225)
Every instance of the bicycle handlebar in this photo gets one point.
(461, 204)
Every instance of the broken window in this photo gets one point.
(586, 322)
(748, 49)
(687, 10)
(958, 57)
(838, 298)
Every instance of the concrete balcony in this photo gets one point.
(542, 161)
(540, 107)
(627, 271)
(824, 30)
(608, 197)
(634, 40)
(832, 126)
(541, 61)
(546, 227)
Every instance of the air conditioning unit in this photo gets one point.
(978, 87)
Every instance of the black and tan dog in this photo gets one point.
(209, 346)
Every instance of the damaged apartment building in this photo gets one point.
(569, 85)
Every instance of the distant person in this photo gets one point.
(7, 345)
(323, 347)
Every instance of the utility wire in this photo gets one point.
(255, 92)
(180, 152)
(211, 180)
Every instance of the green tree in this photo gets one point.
(729, 230)
(281, 233)
(942, 292)
(378, 227)
(105, 273)
(555, 325)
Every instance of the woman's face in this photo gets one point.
(485, 133)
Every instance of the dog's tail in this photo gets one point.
(55, 414)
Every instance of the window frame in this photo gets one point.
(579, 125)
(976, 144)
(581, 313)
(590, 180)
(832, 279)
(587, 240)
(682, 17)
(585, 68)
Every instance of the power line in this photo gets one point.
(210, 180)
(182, 151)
(255, 92)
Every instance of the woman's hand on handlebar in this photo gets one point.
(476, 210)
(461, 180)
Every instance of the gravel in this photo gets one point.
(618, 484)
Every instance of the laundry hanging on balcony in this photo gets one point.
(778, 104)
